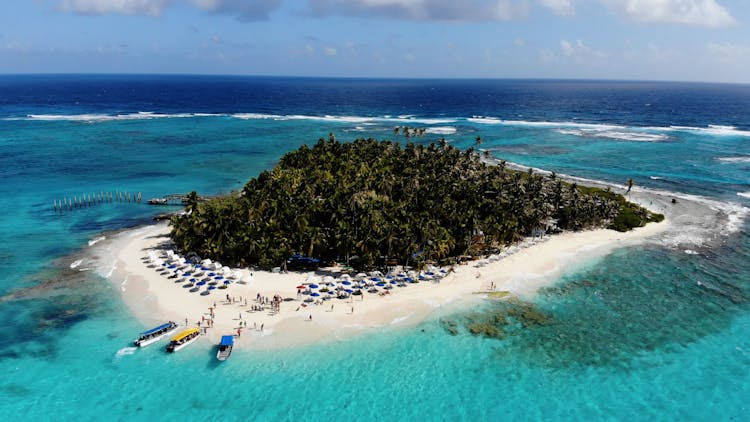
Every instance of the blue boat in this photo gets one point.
(225, 348)
(155, 334)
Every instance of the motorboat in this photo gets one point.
(225, 348)
(182, 339)
(155, 334)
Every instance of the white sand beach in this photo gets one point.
(154, 298)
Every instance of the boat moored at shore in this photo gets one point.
(155, 334)
(225, 348)
(182, 339)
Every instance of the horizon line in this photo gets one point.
(383, 78)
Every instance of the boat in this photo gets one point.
(182, 339)
(155, 334)
(225, 348)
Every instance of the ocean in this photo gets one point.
(655, 332)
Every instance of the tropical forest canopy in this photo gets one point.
(369, 201)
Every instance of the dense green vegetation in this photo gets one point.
(367, 201)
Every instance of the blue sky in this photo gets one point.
(696, 40)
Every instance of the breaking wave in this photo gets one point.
(744, 159)
(441, 130)
(96, 118)
(619, 135)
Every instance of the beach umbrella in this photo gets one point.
(314, 286)
(211, 287)
(301, 286)
(394, 282)
(346, 283)
(219, 277)
(201, 283)
(330, 292)
(315, 294)
(376, 279)
(227, 282)
(349, 291)
(187, 274)
(381, 284)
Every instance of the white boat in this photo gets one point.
(155, 334)
(181, 340)
(225, 348)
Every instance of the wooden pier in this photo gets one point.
(88, 200)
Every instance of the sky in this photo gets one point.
(680, 40)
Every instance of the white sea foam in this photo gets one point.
(485, 120)
(361, 120)
(76, 263)
(655, 178)
(94, 241)
(95, 118)
(441, 130)
(741, 159)
(125, 351)
(620, 135)
(744, 194)
(715, 130)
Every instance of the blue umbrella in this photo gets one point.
(313, 286)
(211, 274)
(227, 282)
(410, 280)
(375, 279)
(172, 266)
(349, 291)
(205, 269)
(315, 294)
(346, 283)
(219, 277)
(394, 282)
(201, 283)
(330, 292)
(192, 280)
(381, 284)
(188, 274)
(211, 287)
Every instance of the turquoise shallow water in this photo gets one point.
(659, 332)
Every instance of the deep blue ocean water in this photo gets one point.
(658, 332)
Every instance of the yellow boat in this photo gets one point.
(182, 339)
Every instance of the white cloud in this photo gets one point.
(329, 51)
(437, 10)
(579, 51)
(707, 13)
(559, 7)
(126, 7)
(519, 42)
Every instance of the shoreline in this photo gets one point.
(153, 298)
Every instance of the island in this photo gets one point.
(340, 238)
